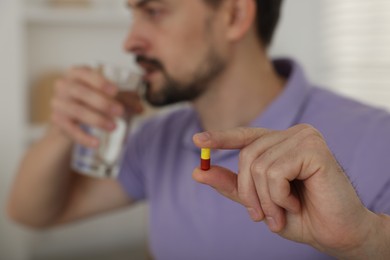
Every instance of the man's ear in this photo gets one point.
(241, 18)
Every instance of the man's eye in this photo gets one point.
(153, 12)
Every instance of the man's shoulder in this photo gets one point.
(357, 133)
(346, 111)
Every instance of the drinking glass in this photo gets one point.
(104, 161)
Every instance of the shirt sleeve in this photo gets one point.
(131, 176)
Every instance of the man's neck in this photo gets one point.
(242, 93)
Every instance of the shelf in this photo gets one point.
(76, 16)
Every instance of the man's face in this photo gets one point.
(178, 45)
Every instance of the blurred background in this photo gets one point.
(343, 46)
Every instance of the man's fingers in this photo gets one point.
(221, 179)
(74, 131)
(92, 78)
(240, 137)
(225, 182)
(70, 91)
(281, 187)
(262, 185)
(248, 197)
(246, 184)
(236, 138)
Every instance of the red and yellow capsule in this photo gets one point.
(205, 159)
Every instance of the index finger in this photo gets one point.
(92, 78)
(236, 138)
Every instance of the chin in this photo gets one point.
(152, 95)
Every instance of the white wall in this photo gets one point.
(13, 240)
(299, 37)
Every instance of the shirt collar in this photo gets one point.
(282, 113)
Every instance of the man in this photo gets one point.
(213, 53)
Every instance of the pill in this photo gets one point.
(205, 159)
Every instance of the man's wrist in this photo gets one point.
(381, 250)
(60, 137)
(375, 244)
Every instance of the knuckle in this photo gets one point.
(267, 207)
(313, 141)
(245, 134)
(311, 137)
(103, 103)
(277, 199)
(268, 154)
(245, 197)
(79, 91)
(242, 130)
(257, 168)
(309, 130)
(242, 133)
(245, 154)
(72, 109)
(77, 110)
(274, 173)
(100, 80)
(73, 71)
(95, 79)
(81, 73)
(94, 118)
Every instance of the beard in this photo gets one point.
(174, 91)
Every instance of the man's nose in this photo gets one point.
(135, 42)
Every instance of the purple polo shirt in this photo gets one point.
(192, 221)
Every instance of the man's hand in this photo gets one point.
(84, 96)
(291, 180)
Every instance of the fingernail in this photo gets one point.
(205, 136)
(271, 223)
(254, 214)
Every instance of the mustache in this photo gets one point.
(154, 63)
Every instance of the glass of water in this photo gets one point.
(104, 161)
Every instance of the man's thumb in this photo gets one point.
(221, 179)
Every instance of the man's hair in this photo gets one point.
(267, 17)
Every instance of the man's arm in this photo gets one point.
(46, 192)
(291, 180)
(376, 244)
